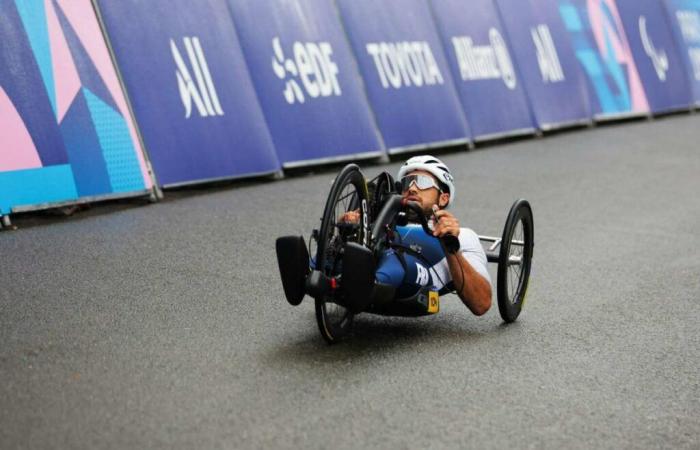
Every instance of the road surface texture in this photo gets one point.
(165, 326)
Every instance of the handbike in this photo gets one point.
(340, 274)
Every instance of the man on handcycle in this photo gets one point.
(415, 262)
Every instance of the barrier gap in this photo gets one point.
(5, 223)
(156, 193)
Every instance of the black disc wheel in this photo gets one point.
(514, 260)
(348, 193)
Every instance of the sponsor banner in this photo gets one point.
(603, 51)
(547, 63)
(660, 66)
(65, 130)
(684, 18)
(306, 79)
(406, 73)
(190, 89)
(482, 67)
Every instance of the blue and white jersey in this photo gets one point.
(430, 249)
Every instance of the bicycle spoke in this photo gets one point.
(511, 287)
(514, 270)
(344, 201)
(350, 194)
(515, 275)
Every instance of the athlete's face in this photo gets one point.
(425, 197)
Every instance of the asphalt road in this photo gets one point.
(165, 326)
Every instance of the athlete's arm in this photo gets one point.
(473, 289)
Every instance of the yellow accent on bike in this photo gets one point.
(433, 302)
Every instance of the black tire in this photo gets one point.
(349, 192)
(515, 260)
(382, 189)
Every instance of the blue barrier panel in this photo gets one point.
(602, 49)
(306, 79)
(555, 85)
(488, 83)
(684, 17)
(190, 89)
(65, 130)
(660, 66)
(406, 73)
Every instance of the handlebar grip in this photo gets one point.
(450, 243)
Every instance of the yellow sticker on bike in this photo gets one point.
(522, 304)
(433, 302)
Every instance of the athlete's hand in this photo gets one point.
(350, 217)
(445, 223)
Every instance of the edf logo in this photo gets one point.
(202, 93)
(312, 68)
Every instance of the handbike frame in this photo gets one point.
(396, 205)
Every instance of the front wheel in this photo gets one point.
(514, 260)
(348, 193)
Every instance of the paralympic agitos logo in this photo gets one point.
(658, 56)
(309, 73)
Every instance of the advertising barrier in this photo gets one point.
(406, 73)
(660, 66)
(307, 80)
(605, 56)
(483, 69)
(190, 89)
(547, 63)
(684, 19)
(65, 130)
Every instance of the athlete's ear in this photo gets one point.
(443, 200)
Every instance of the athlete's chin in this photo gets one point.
(425, 207)
(411, 198)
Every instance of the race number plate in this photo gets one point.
(433, 302)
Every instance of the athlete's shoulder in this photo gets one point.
(467, 235)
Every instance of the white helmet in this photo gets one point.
(433, 165)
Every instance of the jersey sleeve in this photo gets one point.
(473, 252)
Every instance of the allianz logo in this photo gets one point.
(309, 73)
(547, 56)
(194, 79)
(689, 21)
(405, 64)
(658, 56)
(485, 62)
